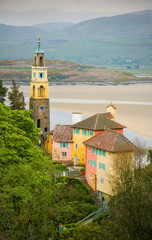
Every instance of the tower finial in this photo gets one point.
(39, 43)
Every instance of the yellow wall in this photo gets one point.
(37, 82)
(80, 152)
(49, 143)
(112, 161)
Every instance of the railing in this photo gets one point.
(96, 214)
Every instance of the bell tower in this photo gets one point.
(39, 92)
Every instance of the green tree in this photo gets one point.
(16, 98)
(3, 91)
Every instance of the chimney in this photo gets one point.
(112, 109)
(76, 117)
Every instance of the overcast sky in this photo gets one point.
(100, 7)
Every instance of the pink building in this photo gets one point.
(62, 143)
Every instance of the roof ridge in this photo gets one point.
(95, 125)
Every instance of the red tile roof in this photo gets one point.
(62, 133)
(98, 122)
(111, 141)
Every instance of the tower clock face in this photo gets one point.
(42, 107)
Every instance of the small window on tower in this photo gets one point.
(38, 123)
(34, 75)
(40, 75)
(46, 129)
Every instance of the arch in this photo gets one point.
(34, 91)
(38, 123)
(41, 91)
(45, 129)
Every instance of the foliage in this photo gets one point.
(33, 202)
(16, 98)
(3, 91)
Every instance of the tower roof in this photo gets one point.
(39, 50)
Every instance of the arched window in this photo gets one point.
(41, 61)
(45, 129)
(41, 92)
(38, 123)
(33, 91)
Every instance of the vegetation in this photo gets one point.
(3, 91)
(16, 98)
(34, 202)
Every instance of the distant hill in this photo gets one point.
(116, 40)
(138, 24)
(54, 26)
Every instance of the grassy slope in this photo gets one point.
(61, 71)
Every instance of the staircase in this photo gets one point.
(74, 173)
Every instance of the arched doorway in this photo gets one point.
(38, 123)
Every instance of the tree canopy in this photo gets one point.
(34, 201)
(3, 91)
(16, 97)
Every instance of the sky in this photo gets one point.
(26, 12)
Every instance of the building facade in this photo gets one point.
(39, 92)
(105, 154)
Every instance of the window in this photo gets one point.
(90, 162)
(102, 166)
(101, 179)
(45, 129)
(34, 75)
(89, 149)
(96, 151)
(38, 123)
(102, 152)
(93, 149)
(41, 75)
(64, 145)
(41, 60)
(76, 146)
(94, 163)
(64, 154)
(90, 176)
(90, 133)
(83, 132)
(76, 130)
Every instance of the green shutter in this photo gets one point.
(74, 130)
(60, 144)
(91, 133)
(88, 132)
(104, 167)
(78, 131)
(42, 75)
(82, 131)
(96, 151)
(85, 132)
(104, 153)
(99, 165)
(94, 163)
(90, 162)
(93, 149)
(66, 145)
(100, 152)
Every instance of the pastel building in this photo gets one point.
(106, 152)
(62, 143)
(88, 128)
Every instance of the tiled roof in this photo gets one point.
(98, 122)
(62, 133)
(111, 141)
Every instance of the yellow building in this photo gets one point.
(88, 128)
(107, 154)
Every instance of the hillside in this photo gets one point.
(105, 41)
(61, 72)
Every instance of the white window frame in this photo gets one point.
(64, 154)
